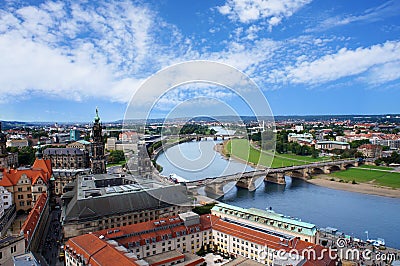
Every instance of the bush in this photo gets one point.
(354, 182)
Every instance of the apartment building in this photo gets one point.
(174, 240)
(269, 220)
(166, 241)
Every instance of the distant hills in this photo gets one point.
(382, 118)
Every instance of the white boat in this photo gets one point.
(377, 242)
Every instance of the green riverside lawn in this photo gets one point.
(377, 175)
(241, 148)
(371, 175)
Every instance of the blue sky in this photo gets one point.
(61, 59)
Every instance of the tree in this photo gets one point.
(26, 156)
(314, 153)
(116, 156)
(357, 143)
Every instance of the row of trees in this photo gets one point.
(197, 129)
(393, 158)
(116, 156)
(296, 148)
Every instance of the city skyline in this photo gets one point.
(62, 59)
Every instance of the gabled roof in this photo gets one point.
(33, 218)
(41, 169)
(5, 181)
(96, 251)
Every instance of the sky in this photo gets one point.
(61, 59)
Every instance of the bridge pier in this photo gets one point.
(277, 178)
(247, 183)
(326, 169)
(214, 190)
(215, 138)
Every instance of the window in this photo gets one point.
(20, 189)
(20, 196)
(13, 249)
(21, 203)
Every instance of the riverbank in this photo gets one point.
(325, 180)
(365, 188)
(220, 148)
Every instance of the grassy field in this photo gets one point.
(380, 178)
(376, 167)
(241, 148)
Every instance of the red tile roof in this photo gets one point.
(97, 251)
(31, 221)
(41, 169)
(156, 226)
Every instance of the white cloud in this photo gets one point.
(77, 51)
(385, 10)
(247, 11)
(383, 74)
(342, 64)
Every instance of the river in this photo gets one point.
(352, 213)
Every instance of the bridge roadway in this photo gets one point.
(214, 185)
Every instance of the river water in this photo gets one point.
(352, 213)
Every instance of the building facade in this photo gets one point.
(332, 145)
(67, 158)
(27, 184)
(19, 143)
(269, 220)
(74, 135)
(11, 246)
(170, 240)
(80, 144)
(370, 150)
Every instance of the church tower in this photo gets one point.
(97, 158)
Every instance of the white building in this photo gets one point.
(5, 200)
(19, 143)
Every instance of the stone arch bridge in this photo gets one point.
(214, 185)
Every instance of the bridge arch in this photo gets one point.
(349, 165)
(317, 171)
(334, 168)
(295, 174)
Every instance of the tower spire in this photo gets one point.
(97, 157)
(39, 154)
(97, 118)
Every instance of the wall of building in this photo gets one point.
(77, 228)
(9, 247)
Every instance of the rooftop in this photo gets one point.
(263, 216)
(63, 151)
(96, 251)
(27, 259)
(96, 196)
